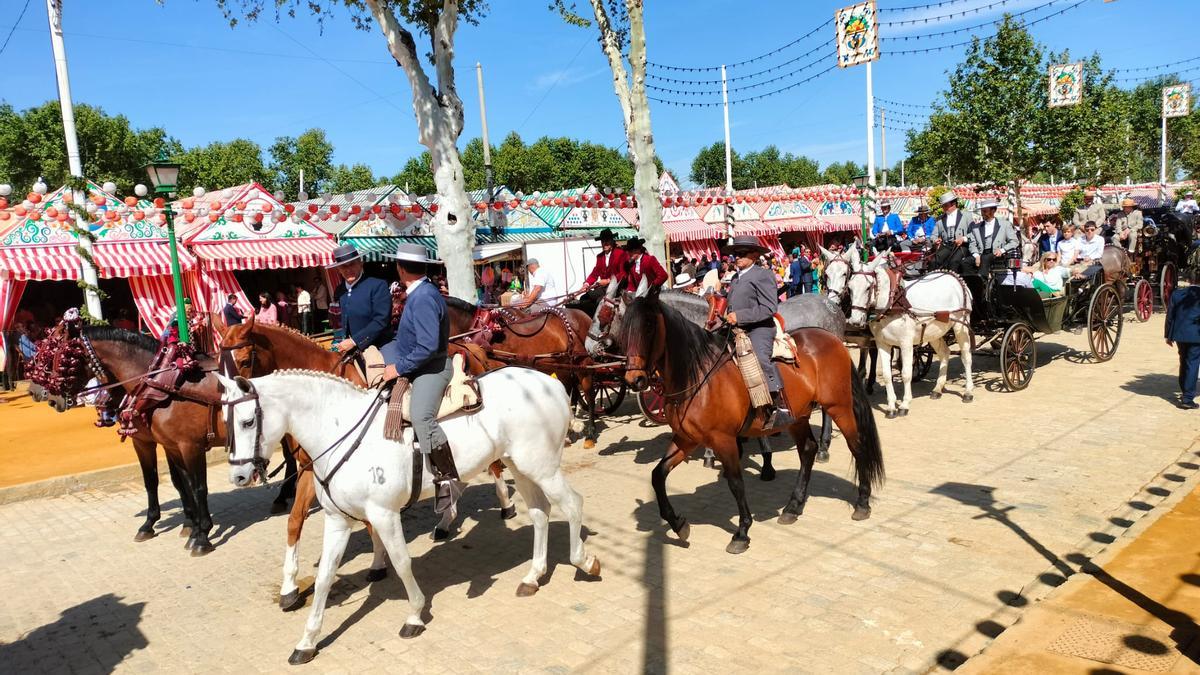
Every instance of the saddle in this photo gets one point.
(784, 347)
(168, 371)
(462, 394)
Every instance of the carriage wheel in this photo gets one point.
(1104, 322)
(922, 361)
(609, 396)
(1167, 277)
(1018, 356)
(653, 403)
(1143, 300)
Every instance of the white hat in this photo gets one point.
(412, 253)
(885, 202)
(989, 204)
(947, 197)
(684, 280)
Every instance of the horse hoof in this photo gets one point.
(411, 630)
(684, 531)
(144, 535)
(890, 414)
(967, 398)
(786, 518)
(738, 546)
(202, 549)
(300, 657)
(509, 512)
(191, 542)
(525, 590)
(440, 535)
(935, 395)
(374, 575)
(594, 569)
(903, 412)
(822, 456)
(861, 513)
(279, 507)
(767, 475)
(185, 531)
(290, 602)
(588, 443)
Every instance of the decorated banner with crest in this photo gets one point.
(1177, 100)
(857, 34)
(1066, 84)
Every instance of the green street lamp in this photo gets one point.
(862, 183)
(164, 175)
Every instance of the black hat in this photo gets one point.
(744, 243)
(636, 244)
(606, 235)
(344, 254)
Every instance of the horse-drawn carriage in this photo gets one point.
(1164, 248)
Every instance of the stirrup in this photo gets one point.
(778, 417)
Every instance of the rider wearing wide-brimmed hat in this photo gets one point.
(1090, 210)
(610, 264)
(642, 265)
(366, 302)
(950, 235)
(1128, 225)
(418, 353)
(753, 299)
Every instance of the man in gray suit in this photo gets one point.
(950, 235)
(753, 300)
(990, 237)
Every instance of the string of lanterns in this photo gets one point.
(901, 105)
(964, 29)
(760, 57)
(932, 5)
(746, 99)
(1158, 67)
(731, 90)
(952, 15)
(741, 77)
(927, 50)
(1152, 77)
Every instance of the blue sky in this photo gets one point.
(543, 77)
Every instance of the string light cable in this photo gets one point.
(685, 92)
(747, 76)
(985, 24)
(951, 16)
(760, 57)
(746, 99)
(1159, 67)
(955, 45)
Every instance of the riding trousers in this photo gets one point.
(428, 389)
(762, 336)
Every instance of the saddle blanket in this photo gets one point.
(461, 394)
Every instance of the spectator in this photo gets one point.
(1182, 331)
(123, 321)
(230, 314)
(25, 342)
(320, 303)
(304, 309)
(798, 269)
(283, 311)
(267, 312)
(689, 267)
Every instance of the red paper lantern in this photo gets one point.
(377, 209)
(60, 217)
(394, 209)
(237, 217)
(214, 204)
(356, 209)
(139, 215)
(497, 206)
(159, 202)
(416, 208)
(188, 203)
(34, 197)
(514, 204)
(241, 206)
(212, 217)
(480, 206)
(110, 215)
(258, 217)
(35, 215)
(51, 212)
(313, 208)
(557, 201)
(289, 208)
(4, 215)
(189, 217)
(433, 208)
(335, 209)
(129, 201)
(20, 210)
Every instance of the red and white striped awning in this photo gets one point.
(754, 228)
(57, 262)
(842, 222)
(138, 259)
(264, 254)
(691, 230)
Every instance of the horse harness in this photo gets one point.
(898, 303)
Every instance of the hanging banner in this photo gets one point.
(857, 34)
(1177, 100)
(1066, 84)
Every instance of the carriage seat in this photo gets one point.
(462, 394)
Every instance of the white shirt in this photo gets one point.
(544, 279)
(989, 226)
(1091, 250)
(1187, 206)
(1052, 277)
(1068, 249)
(303, 301)
(410, 286)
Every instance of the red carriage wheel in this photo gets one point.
(1168, 276)
(653, 403)
(1143, 300)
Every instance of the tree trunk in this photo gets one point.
(635, 115)
(439, 115)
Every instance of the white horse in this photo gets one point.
(523, 422)
(938, 303)
(838, 268)
(607, 317)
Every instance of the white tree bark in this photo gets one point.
(439, 115)
(630, 88)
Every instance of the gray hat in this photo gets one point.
(924, 208)
(947, 197)
(988, 204)
(412, 253)
(532, 261)
(344, 254)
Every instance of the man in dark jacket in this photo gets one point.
(418, 354)
(230, 314)
(753, 301)
(1183, 331)
(799, 270)
(366, 303)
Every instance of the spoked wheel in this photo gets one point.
(1168, 277)
(1018, 356)
(653, 403)
(609, 396)
(922, 361)
(1104, 322)
(1143, 300)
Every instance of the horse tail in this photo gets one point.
(868, 456)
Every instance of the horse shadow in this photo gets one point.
(233, 511)
(106, 631)
(1157, 385)
(646, 451)
(712, 503)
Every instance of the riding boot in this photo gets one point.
(448, 488)
(778, 414)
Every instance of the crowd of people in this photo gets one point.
(796, 273)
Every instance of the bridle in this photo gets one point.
(257, 459)
(610, 307)
(842, 258)
(872, 292)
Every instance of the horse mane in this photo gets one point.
(693, 307)
(692, 350)
(286, 330)
(322, 375)
(110, 334)
(460, 304)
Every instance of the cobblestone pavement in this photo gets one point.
(982, 503)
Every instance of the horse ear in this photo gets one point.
(243, 384)
(250, 321)
(613, 286)
(825, 253)
(226, 383)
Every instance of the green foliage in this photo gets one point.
(219, 165)
(423, 14)
(1070, 201)
(762, 168)
(417, 175)
(32, 144)
(310, 152)
(934, 199)
(842, 173)
(351, 178)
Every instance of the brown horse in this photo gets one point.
(708, 405)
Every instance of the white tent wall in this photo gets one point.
(567, 260)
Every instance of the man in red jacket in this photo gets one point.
(642, 265)
(610, 264)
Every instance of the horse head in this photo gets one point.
(838, 268)
(243, 351)
(248, 444)
(869, 290)
(643, 341)
(600, 336)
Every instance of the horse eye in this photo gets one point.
(247, 424)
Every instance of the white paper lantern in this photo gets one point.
(109, 186)
(5, 189)
(91, 208)
(279, 195)
(198, 192)
(303, 196)
(40, 187)
(27, 204)
(140, 190)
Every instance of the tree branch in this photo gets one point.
(404, 49)
(442, 37)
(611, 45)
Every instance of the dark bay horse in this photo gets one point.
(707, 404)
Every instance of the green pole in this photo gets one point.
(177, 278)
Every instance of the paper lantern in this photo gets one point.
(394, 209)
(241, 206)
(212, 217)
(497, 206)
(34, 197)
(335, 209)
(35, 215)
(433, 208)
(4, 215)
(237, 217)
(514, 204)
(481, 206)
(139, 215)
(189, 217)
(60, 217)
(356, 209)
(416, 208)
(51, 212)
(267, 207)
(131, 201)
(188, 203)
(557, 201)
(214, 204)
(376, 209)
(110, 215)
(313, 208)
(289, 208)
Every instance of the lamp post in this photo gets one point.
(164, 175)
(862, 182)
